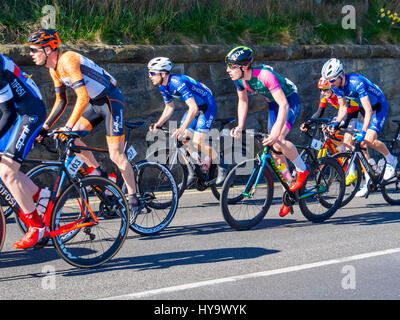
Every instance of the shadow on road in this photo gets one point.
(139, 263)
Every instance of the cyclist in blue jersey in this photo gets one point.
(197, 121)
(23, 115)
(373, 106)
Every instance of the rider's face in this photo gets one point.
(38, 55)
(155, 77)
(234, 71)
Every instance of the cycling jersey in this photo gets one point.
(265, 81)
(356, 87)
(78, 72)
(183, 87)
(92, 83)
(22, 108)
(334, 101)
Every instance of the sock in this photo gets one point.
(299, 164)
(390, 159)
(36, 195)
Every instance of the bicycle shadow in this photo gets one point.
(148, 262)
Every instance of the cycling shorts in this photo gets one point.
(109, 108)
(379, 113)
(293, 112)
(203, 121)
(17, 142)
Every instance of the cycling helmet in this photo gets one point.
(332, 69)
(44, 37)
(240, 55)
(160, 64)
(323, 83)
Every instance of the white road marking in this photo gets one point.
(144, 294)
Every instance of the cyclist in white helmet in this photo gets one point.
(373, 106)
(197, 121)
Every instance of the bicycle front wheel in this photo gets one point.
(322, 193)
(243, 203)
(159, 195)
(95, 229)
(344, 159)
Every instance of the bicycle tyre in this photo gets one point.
(231, 202)
(178, 169)
(2, 228)
(159, 194)
(93, 245)
(390, 188)
(327, 164)
(351, 189)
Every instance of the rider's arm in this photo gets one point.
(9, 114)
(281, 100)
(191, 114)
(319, 113)
(72, 66)
(167, 113)
(342, 109)
(243, 106)
(368, 112)
(59, 105)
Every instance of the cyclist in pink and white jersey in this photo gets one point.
(284, 107)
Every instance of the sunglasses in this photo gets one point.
(325, 90)
(233, 66)
(34, 50)
(153, 73)
(334, 79)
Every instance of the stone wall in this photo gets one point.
(301, 64)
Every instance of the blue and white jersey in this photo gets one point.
(15, 84)
(357, 87)
(183, 87)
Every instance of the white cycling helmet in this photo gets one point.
(332, 69)
(160, 64)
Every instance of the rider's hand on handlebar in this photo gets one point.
(41, 135)
(304, 127)
(236, 132)
(60, 136)
(333, 127)
(153, 127)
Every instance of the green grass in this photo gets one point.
(249, 22)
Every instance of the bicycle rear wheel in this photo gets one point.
(159, 195)
(99, 233)
(322, 193)
(241, 209)
(2, 228)
(391, 189)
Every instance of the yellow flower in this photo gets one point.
(379, 21)
(382, 15)
(382, 9)
(388, 12)
(395, 13)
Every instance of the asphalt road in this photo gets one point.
(353, 255)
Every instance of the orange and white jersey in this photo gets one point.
(75, 70)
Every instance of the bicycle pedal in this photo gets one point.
(42, 243)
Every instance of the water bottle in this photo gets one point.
(373, 164)
(285, 173)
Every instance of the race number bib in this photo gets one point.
(74, 165)
(131, 153)
(316, 144)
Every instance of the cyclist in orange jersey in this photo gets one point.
(97, 98)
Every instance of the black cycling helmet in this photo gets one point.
(240, 55)
(44, 37)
